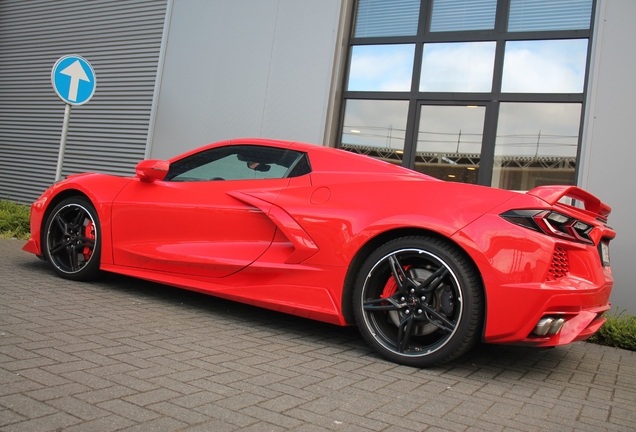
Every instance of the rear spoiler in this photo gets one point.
(553, 194)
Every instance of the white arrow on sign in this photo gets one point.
(76, 72)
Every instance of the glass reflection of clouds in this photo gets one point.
(544, 66)
(375, 123)
(538, 129)
(457, 67)
(381, 67)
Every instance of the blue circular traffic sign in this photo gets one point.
(73, 79)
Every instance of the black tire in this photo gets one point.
(71, 239)
(418, 301)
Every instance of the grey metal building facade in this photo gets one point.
(122, 41)
(173, 75)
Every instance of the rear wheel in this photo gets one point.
(72, 239)
(418, 301)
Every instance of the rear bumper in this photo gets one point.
(580, 307)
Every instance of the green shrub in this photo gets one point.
(14, 220)
(619, 331)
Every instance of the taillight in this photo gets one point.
(552, 223)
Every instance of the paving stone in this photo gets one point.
(78, 408)
(396, 422)
(26, 406)
(196, 399)
(281, 403)
(109, 423)
(211, 425)
(307, 394)
(272, 417)
(54, 392)
(128, 410)
(8, 416)
(226, 415)
(185, 415)
(54, 422)
(471, 423)
(330, 422)
(152, 396)
(87, 378)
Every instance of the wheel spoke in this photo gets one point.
(62, 224)
(434, 281)
(72, 255)
(78, 219)
(442, 322)
(58, 247)
(400, 276)
(404, 333)
(381, 305)
(86, 242)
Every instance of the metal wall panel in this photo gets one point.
(245, 69)
(122, 41)
(608, 151)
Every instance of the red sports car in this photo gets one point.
(424, 267)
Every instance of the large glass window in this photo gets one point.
(376, 128)
(544, 66)
(478, 91)
(457, 67)
(536, 144)
(449, 142)
(381, 68)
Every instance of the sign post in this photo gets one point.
(74, 82)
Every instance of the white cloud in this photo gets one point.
(458, 67)
(553, 66)
(381, 68)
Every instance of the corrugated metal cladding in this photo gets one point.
(122, 41)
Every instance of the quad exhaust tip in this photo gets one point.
(548, 326)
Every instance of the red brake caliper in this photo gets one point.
(89, 233)
(391, 286)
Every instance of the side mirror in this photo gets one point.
(152, 170)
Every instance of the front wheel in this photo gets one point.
(418, 301)
(72, 239)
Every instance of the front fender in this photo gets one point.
(100, 189)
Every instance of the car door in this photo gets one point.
(189, 223)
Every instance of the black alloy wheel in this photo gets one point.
(72, 239)
(418, 301)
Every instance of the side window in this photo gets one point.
(244, 162)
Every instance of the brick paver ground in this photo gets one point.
(124, 354)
